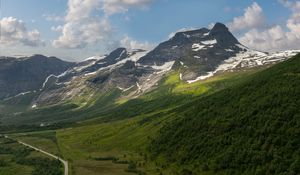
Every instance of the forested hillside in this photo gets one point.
(251, 128)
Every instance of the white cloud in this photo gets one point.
(14, 31)
(57, 28)
(79, 10)
(84, 24)
(120, 6)
(277, 38)
(252, 18)
(78, 34)
(82, 27)
(130, 43)
(292, 5)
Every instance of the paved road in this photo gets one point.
(49, 154)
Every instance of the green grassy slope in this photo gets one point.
(234, 123)
(16, 159)
(251, 128)
(127, 128)
(170, 93)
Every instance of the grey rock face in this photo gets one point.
(27, 73)
(123, 77)
(200, 50)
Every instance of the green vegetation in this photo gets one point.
(16, 159)
(44, 140)
(16, 105)
(117, 141)
(170, 93)
(250, 128)
(233, 123)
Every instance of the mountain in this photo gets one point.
(250, 128)
(195, 55)
(92, 76)
(243, 122)
(198, 51)
(200, 54)
(22, 75)
(166, 111)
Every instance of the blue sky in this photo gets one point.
(71, 30)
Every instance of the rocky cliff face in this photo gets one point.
(198, 51)
(20, 75)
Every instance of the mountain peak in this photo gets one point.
(117, 54)
(223, 35)
(219, 26)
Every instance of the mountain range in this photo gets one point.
(199, 103)
(196, 55)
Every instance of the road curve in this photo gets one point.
(49, 154)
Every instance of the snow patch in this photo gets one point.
(249, 59)
(139, 87)
(209, 42)
(186, 35)
(124, 90)
(91, 73)
(18, 95)
(209, 74)
(80, 68)
(229, 50)
(197, 46)
(95, 58)
(102, 63)
(133, 57)
(206, 34)
(46, 81)
(165, 67)
(122, 53)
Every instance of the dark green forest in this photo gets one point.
(250, 128)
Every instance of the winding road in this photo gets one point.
(48, 154)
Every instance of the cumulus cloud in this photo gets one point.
(84, 24)
(252, 18)
(78, 34)
(79, 10)
(81, 26)
(57, 28)
(14, 31)
(130, 43)
(120, 6)
(277, 38)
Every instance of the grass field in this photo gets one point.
(45, 140)
(116, 142)
(14, 158)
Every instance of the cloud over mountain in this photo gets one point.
(252, 18)
(277, 37)
(119, 6)
(82, 27)
(14, 31)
